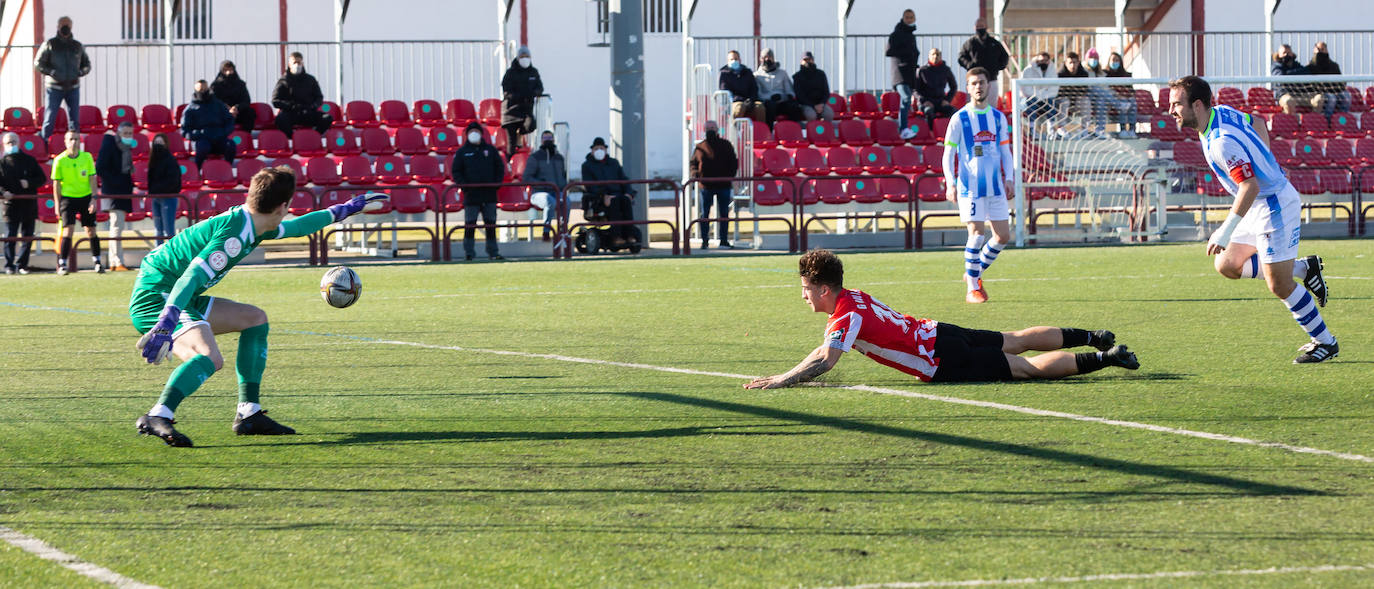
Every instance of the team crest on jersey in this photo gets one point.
(837, 335)
(233, 246)
(984, 135)
(218, 261)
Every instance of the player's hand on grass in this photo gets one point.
(157, 343)
(370, 201)
(765, 382)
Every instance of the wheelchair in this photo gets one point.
(595, 239)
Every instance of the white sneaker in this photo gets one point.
(1128, 134)
(907, 134)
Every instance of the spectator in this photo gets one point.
(115, 166)
(21, 176)
(985, 51)
(519, 87)
(738, 79)
(73, 175)
(62, 60)
(1075, 98)
(775, 90)
(1333, 96)
(207, 123)
(904, 57)
(1038, 101)
(813, 90)
(478, 162)
(612, 202)
(1292, 95)
(298, 99)
(546, 165)
(936, 87)
(229, 88)
(1125, 96)
(714, 157)
(164, 177)
(1105, 100)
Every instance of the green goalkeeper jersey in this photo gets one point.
(198, 258)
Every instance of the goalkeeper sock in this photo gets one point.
(252, 359)
(1074, 337)
(1089, 362)
(185, 380)
(1250, 268)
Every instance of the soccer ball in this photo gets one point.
(341, 287)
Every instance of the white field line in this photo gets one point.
(1114, 577)
(45, 551)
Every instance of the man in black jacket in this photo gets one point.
(714, 157)
(1334, 96)
(478, 162)
(207, 123)
(613, 202)
(904, 57)
(546, 165)
(519, 87)
(62, 60)
(230, 89)
(813, 90)
(739, 80)
(20, 175)
(936, 87)
(985, 51)
(298, 99)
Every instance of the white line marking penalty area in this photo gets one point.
(1114, 577)
(45, 551)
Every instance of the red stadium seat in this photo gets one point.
(865, 106)
(391, 169)
(789, 134)
(139, 212)
(489, 112)
(245, 168)
(36, 147)
(1283, 152)
(60, 124)
(864, 190)
(924, 134)
(763, 137)
(243, 144)
(158, 118)
(960, 99)
(1344, 124)
(1164, 100)
(93, 119)
(840, 106)
(1166, 129)
(121, 113)
(933, 157)
(361, 114)
(842, 161)
(498, 138)
(411, 141)
(140, 175)
(875, 161)
(1189, 153)
(1309, 152)
(190, 175)
(443, 140)
(265, 118)
(1145, 103)
(46, 188)
(205, 206)
(227, 200)
(930, 188)
(355, 169)
(19, 120)
(218, 174)
(56, 145)
(1284, 125)
(177, 146)
(273, 143)
(827, 190)
(1306, 181)
(427, 113)
(1261, 100)
(907, 160)
(885, 132)
(306, 143)
(91, 143)
(1341, 152)
(770, 193)
(778, 162)
(410, 201)
(302, 202)
(938, 131)
(341, 142)
(301, 177)
(822, 133)
(394, 114)
(427, 169)
(1314, 124)
(1336, 181)
(1232, 97)
(1357, 103)
(810, 162)
(1364, 152)
(460, 113)
(377, 142)
(854, 134)
(894, 189)
(892, 104)
(142, 148)
(323, 172)
(516, 169)
(512, 199)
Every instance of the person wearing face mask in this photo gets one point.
(936, 87)
(1124, 95)
(609, 202)
(1290, 95)
(985, 51)
(478, 162)
(1037, 102)
(298, 99)
(207, 123)
(546, 165)
(20, 177)
(164, 177)
(519, 87)
(738, 79)
(1332, 97)
(775, 90)
(63, 61)
(115, 167)
(714, 157)
(1105, 101)
(230, 89)
(904, 57)
(73, 183)
(813, 90)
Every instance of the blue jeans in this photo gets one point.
(722, 198)
(1036, 108)
(905, 92)
(165, 217)
(57, 96)
(488, 213)
(1104, 100)
(1338, 101)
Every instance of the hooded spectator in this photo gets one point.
(298, 99)
(207, 123)
(230, 89)
(813, 90)
(519, 87)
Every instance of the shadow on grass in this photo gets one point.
(429, 437)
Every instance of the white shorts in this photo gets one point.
(984, 208)
(1273, 246)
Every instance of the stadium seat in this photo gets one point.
(894, 189)
(341, 142)
(391, 169)
(273, 143)
(426, 169)
(933, 157)
(177, 145)
(827, 190)
(822, 133)
(205, 205)
(19, 120)
(35, 146)
(1314, 124)
(306, 143)
(1164, 100)
(489, 112)
(864, 190)
(59, 125)
(47, 211)
(1145, 103)
(810, 162)
(1208, 184)
(265, 117)
(460, 113)
(361, 114)
(93, 119)
(322, 171)
(139, 212)
(842, 161)
(840, 106)
(394, 114)
(907, 160)
(335, 112)
(1305, 180)
(1233, 98)
(778, 162)
(1335, 181)
(443, 140)
(142, 148)
(789, 134)
(1364, 152)
(770, 193)
(121, 113)
(865, 106)
(498, 138)
(1189, 154)
(140, 175)
(938, 131)
(1309, 152)
(1340, 151)
(1284, 125)
(763, 137)
(924, 134)
(427, 113)
(410, 201)
(513, 199)
(218, 174)
(1345, 124)
(91, 143)
(1261, 100)
(243, 144)
(1282, 150)
(960, 99)
(245, 168)
(891, 103)
(190, 175)
(411, 141)
(875, 161)
(885, 132)
(930, 188)
(1166, 129)
(356, 169)
(46, 188)
(302, 202)
(301, 177)
(854, 133)
(158, 118)
(377, 142)
(227, 200)
(56, 145)
(516, 168)
(1357, 103)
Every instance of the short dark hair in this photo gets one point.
(297, 55)
(1194, 88)
(979, 71)
(1071, 55)
(270, 188)
(820, 266)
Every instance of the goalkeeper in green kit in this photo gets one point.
(170, 308)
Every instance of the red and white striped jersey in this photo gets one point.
(890, 338)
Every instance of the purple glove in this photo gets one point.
(157, 343)
(358, 204)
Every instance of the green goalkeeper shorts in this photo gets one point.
(145, 306)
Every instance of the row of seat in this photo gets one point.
(844, 161)
(1307, 151)
(1308, 181)
(852, 132)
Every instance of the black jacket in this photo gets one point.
(811, 86)
(987, 53)
(519, 87)
(607, 169)
(936, 82)
(714, 157)
(63, 62)
(1320, 65)
(231, 91)
(1073, 91)
(109, 164)
(904, 56)
(209, 120)
(546, 166)
(164, 172)
(477, 163)
(297, 93)
(741, 84)
(13, 168)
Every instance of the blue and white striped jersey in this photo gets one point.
(982, 151)
(1236, 153)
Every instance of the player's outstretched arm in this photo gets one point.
(818, 362)
(312, 222)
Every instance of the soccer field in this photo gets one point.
(582, 424)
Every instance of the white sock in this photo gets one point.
(1305, 312)
(1250, 267)
(989, 253)
(246, 409)
(1299, 269)
(160, 410)
(973, 266)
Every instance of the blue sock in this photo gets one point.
(989, 253)
(973, 266)
(1305, 312)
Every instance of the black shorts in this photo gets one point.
(70, 207)
(969, 355)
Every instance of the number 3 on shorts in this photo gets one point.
(972, 208)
